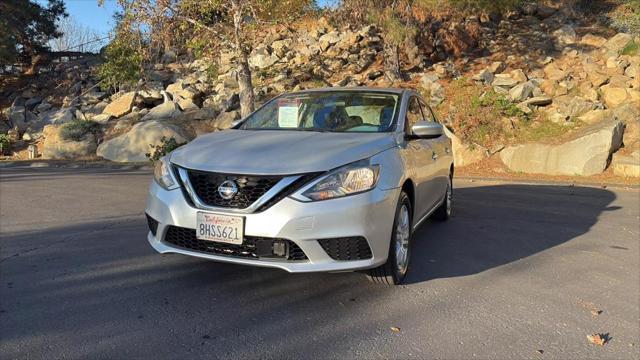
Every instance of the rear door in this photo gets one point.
(421, 165)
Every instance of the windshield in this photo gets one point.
(340, 111)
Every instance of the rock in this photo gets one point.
(42, 107)
(17, 117)
(572, 106)
(593, 40)
(372, 75)
(496, 67)
(280, 47)
(102, 118)
(55, 147)
(32, 102)
(553, 72)
(617, 43)
(187, 105)
(632, 71)
(226, 119)
(464, 155)
(597, 78)
(150, 96)
(231, 103)
(175, 88)
(626, 165)
(132, 146)
(329, 39)
(518, 75)
(595, 116)
(166, 110)
(120, 106)
(169, 56)
(539, 101)
(485, 76)
(613, 96)
(60, 116)
(521, 92)
(566, 35)
(586, 154)
(504, 81)
(524, 108)
(261, 59)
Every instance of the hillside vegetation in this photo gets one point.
(499, 73)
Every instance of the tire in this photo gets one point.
(443, 212)
(391, 272)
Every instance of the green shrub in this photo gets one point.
(631, 49)
(5, 144)
(166, 146)
(77, 130)
(122, 63)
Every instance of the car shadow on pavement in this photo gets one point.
(496, 225)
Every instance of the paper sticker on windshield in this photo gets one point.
(288, 116)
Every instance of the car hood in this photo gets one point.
(278, 152)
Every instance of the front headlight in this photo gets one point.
(163, 175)
(348, 180)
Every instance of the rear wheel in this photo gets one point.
(395, 269)
(443, 212)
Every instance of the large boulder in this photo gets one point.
(59, 116)
(166, 110)
(261, 58)
(56, 147)
(120, 106)
(463, 154)
(586, 154)
(626, 165)
(132, 146)
(617, 43)
(614, 96)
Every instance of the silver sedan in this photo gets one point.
(317, 180)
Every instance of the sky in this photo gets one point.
(100, 18)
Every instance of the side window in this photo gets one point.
(414, 114)
(428, 114)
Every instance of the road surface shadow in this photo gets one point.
(500, 224)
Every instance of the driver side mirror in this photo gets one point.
(427, 130)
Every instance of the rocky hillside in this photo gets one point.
(540, 91)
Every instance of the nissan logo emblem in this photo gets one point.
(228, 189)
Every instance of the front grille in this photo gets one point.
(250, 188)
(253, 246)
(346, 248)
(153, 224)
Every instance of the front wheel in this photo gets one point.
(395, 269)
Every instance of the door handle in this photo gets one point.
(434, 156)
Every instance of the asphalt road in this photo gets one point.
(518, 269)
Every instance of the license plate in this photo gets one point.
(221, 228)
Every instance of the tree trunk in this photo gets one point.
(391, 53)
(244, 73)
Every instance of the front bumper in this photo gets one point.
(369, 215)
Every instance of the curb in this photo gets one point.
(74, 164)
(525, 181)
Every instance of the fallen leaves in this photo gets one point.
(595, 313)
(598, 339)
(395, 329)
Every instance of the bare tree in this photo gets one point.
(76, 37)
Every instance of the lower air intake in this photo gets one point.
(346, 248)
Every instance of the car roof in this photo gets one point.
(398, 91)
